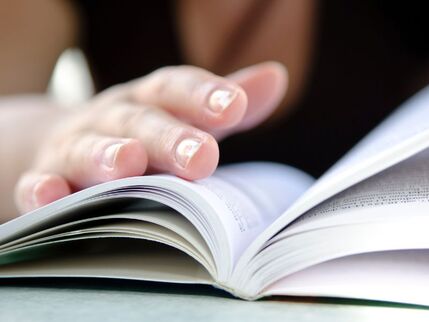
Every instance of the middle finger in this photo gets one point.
(172, 146)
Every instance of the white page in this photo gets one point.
(247, 197)
(397, 192)
(303, 250)
(403, 134)
(396, 276)
(256, 194)
(272, 187)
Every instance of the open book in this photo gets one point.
(253, 229)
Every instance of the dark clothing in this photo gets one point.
(370, 56)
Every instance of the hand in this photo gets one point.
(167, 121)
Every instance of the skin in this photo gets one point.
(142, 126)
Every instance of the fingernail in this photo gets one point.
(110, 154)
(221, 99)
(186, 150)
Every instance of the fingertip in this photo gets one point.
(35, 190)
(278, 77)
(49, 188)
(271, 67)
(275, 67)
(270, 77)
(265, 84)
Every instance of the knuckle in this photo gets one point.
(164, 80)
(164, 71)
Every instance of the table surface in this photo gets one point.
(89, 300)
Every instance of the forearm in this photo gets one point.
(24, 123)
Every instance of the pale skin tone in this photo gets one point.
(169, 121)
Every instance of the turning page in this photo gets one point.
(401, 135)
(400, 192)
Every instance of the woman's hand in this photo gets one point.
(168, 121)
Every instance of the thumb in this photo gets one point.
(265, 85)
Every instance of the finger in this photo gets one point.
(265, 85)
(88, 159)
(193, 95)
(172, 146)
(35, 190)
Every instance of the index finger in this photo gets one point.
(193, 95)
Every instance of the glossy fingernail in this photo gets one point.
(221, 99)
(185, 150)
(109, 155)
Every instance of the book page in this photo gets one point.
(403, 134)
(395, 276)
(267, 187)
(130, 226)
(401, 191)
(408, 121)
(116, 258)
(165, 218)
(228, 209)
(306, 249)
(254, 194)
